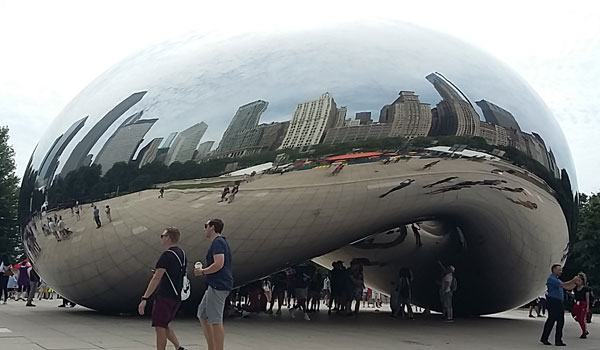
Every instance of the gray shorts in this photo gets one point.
(212, 305)
(447, 300)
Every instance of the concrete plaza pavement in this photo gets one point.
(49, 327)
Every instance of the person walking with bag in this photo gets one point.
(168, 282)
(219, 278)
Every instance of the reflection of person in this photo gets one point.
(97, 217)
(107, 211)
(219, 278)
(399, 187)
(448, 179)
(554, 303)
(234, 191)
(447, 291)
(415, 230)
(167, 281)
(430, 165)
(224, 193)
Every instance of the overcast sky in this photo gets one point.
(50, 50)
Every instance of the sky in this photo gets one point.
(52, 50)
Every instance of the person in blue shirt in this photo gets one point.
(219, 278)
(554, 304)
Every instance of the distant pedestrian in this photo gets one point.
(97, 217)
(554, 303)
(219, 278)
(5, 273)
(234, 191)
(107, 211)
(23, 281)
(161, 192)
(167, 281)
(224, 193)
(582, 304)
(448, 288)
(417, 234)
(34, 280)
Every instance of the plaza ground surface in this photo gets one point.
(49, 327)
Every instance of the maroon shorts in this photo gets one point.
(164, 311)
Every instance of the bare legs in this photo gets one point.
(162, 334)
(214, 334)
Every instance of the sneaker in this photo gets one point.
(292, 313)
(181, 348)
(278, 313)
(306, 317)
(450, 320)
(531, 316)
(29, 304)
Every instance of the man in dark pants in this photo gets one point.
(554, 304)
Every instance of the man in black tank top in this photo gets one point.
(167, 282)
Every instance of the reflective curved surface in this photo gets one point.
(461, 162)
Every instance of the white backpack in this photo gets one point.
(186, 288)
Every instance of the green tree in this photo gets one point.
(585, 247)
(10, 243)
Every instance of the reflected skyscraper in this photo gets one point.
(246, 117)
(456, 116)
(203, 149)
(410, 117)
(498, 115)
(79, 155)
(148, 153)
(310, 122)
(185, 144)
(123, 143)
(50, 162)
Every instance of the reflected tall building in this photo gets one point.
(456, 115)
(493, 134)
(310, 122)
(79, 155)
(148, 153)
(363, 117)
(123, 143)
(50, 163)
(203, 149)
(185, 144)
(498, 115)
(410, 117)
(341, 116)
(246, 117)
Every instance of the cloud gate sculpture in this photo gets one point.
(448, 156)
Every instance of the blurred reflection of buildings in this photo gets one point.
(185, 144)
(310, 122)
(203, 149)
(455, 114)
(50, 163)
(363, 117)
(246, 118)
(123, 143)
(147, 154)
(79, 156)
(493, 134)
(340, 118)
(163, 150)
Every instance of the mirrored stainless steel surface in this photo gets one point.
(467, 165)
